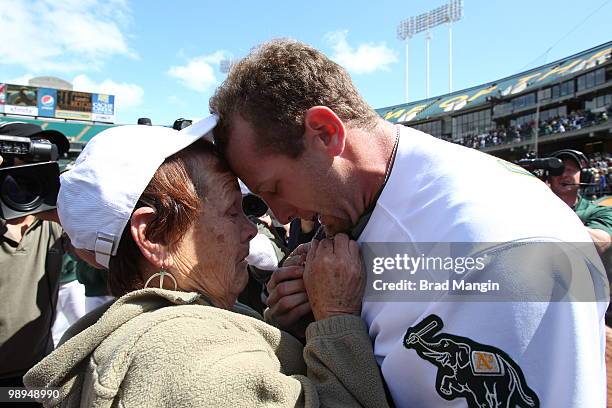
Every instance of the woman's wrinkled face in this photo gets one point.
(210, 259)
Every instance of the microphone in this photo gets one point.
(553, 165)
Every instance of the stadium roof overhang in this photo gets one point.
(481, 95)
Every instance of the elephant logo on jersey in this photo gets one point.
(485, 376)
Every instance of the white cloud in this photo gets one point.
(199, 72)
(127, 96)
(366, 58)
(64, 36)
(22, 80)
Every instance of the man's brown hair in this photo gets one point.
(275, 85)
(175, 192)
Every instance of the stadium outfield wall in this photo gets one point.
(575, 90)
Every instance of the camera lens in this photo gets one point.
(253, 205)
(21, 193)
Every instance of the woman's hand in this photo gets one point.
(334, 277)
(298, 256)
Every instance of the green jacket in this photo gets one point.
(593, 215)
(68, 273)
(160, 348)
(94, 280)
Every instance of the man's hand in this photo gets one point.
(287, 299)
(334, 277)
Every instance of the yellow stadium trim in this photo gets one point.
(82, 133)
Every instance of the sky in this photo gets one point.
(161, 58)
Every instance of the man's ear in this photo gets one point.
(153, 252)
(324, 130)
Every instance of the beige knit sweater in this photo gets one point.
(160, 348)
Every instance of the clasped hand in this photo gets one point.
(323, 277)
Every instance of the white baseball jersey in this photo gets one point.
(488, 354)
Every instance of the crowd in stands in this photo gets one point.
(516, 134)
(601, 167)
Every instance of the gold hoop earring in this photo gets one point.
(161, 275)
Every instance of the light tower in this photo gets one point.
(408, 28)
(225, 65)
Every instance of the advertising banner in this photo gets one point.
(103, 108)
(73, 105)
(46, 102)
(21, 100)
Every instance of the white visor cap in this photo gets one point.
(98, 195)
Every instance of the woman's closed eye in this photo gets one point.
(235, 210)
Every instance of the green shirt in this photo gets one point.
(95, 280)
(68, 273)
(29, 281)
(593, 215)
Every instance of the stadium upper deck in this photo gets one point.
(570, 101)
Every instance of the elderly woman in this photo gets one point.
(162, 211)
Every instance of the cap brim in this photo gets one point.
(571, 156)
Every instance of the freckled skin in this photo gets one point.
(209, 259)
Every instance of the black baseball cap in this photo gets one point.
(581, 160)
(23, 129)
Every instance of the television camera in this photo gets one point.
(29, 175)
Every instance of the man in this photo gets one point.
(30, 262)
(297, 132)
(31, 253)
(597, 219)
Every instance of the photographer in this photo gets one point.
(597, 219)
(31, 251)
